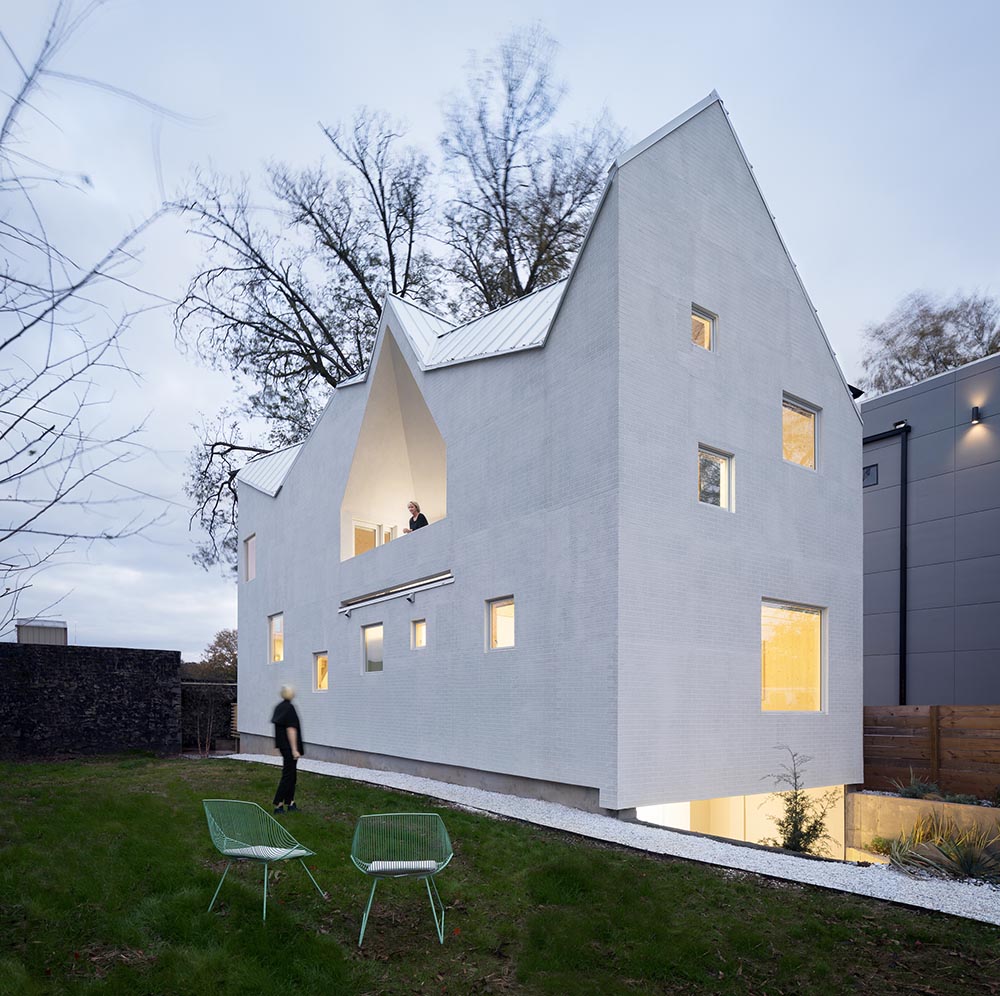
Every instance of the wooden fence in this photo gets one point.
(956, 747)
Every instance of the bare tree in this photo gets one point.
(924, 337)
(56, 347)
(290, 300)
(291, 305)
(524, 192)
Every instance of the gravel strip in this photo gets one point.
(969, 899)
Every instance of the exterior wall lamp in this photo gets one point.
(975, 415)
(899, 424)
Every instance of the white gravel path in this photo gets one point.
(966, 899)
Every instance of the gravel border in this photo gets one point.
(970, 899)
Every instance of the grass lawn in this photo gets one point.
(106, 870)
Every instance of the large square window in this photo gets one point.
(798, 433)
(419, 634)
(715, 478)
(276, 637)
(250, 558)
(702, 328)
(501, 623)
(322, 665)
(372, 640)
(791, 657)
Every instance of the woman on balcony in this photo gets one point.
(417, 518)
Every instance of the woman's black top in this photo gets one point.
(418, 522)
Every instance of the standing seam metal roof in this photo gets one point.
(267, 473)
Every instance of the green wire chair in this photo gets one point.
(242, 831)
(403, 845)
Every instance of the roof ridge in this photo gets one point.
(509, 304)
(420, 307)
(270, 453)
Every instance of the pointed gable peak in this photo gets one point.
(670, 126)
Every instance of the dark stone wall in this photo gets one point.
(88, 700)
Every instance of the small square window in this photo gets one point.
(276, 637)
(419, 634)
(501, 623)
(715, 478)
(702, 328)
(250, 558)
(791, 657)
(372, 640)
(322, 662)
(869, 476)
(798, 433)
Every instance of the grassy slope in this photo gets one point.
(106, 869)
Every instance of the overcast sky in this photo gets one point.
(872, 128)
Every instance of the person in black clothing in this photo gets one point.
(288, 739)
(417, 518)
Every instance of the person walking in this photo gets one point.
(288, 739)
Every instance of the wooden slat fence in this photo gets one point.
(957, 747)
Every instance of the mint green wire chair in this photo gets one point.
(242, 831)
(403, 845)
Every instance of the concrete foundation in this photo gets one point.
(575, 796)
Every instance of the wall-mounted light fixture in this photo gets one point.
(975, 415)
(900, 424)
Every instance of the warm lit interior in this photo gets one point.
(790, 657)
(798, 434)
(373, 647)
(502, 624)
(400, 457)
(701, 330)
(743, 817)
(276, 637)
(322, 673)
(419, 634)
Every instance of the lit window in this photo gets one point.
(276, 637)
(372, 638)
(702, 328)
(322, 672)
(388, 533)
(250, 558)
(419, 634)
(501, 623)
(365, 537)
(715, 478)
(798, 434)
(791, 654)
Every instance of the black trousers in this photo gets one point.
(286, 787)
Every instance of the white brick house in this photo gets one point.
(656, 460)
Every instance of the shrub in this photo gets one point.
(936, 845)
(802, 825)
(916, 788)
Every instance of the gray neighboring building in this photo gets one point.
(951, 544)
(654, 462)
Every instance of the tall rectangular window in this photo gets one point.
(798, 433)
(791, 657)
(322, 662)
(715, 478)
(501, 623)
(372, 640)
(419, 634)
(250, 558)
(702, 328)
(276, 637)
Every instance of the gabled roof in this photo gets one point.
(522, 324)
(267, 473)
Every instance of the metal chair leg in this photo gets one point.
(364, 921)
(438, 924)
(219, 886)
(265, 891)
(309, 873)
